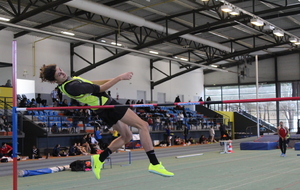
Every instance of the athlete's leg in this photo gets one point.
(98, 160)
(131, 119)
(125, 136)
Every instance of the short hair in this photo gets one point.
(3, 143)
(47, 73)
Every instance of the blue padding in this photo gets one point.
(297, 146)
(258, 145)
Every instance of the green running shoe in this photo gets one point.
(160, 170)
(96, 165)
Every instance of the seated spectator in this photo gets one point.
(8, 83)
(178, 140)
(73, 150)
(56, 150)
(54, 129)
(4, 124)
(128, 101)
(203, 140)
(32, 103)
(191, 140)
(85, 143)
(5, 150)
(23, 102)
(94, 144)
(81, 149)
(40, 101)
(35, 153)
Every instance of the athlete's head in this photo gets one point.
(53, 74)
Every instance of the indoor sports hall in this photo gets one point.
(204, 93)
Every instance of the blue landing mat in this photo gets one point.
(266, 142)
(258, 145)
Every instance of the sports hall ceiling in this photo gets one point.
(195, 30)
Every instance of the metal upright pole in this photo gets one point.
(257, 110)
(14, 116)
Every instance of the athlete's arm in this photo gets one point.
(111, 82)
(100, 82)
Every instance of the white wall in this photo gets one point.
(49, 51)
(5, 55)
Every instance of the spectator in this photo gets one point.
(54, 129)
(65, 104)
(282, 132)
(35, 153)
(212, 134)
(4, 124)
(8, 83)
(73, 151)
(177, 99)
(203, 140)
(128, 101)
(200, 100)
(223, 132)
(84, 115)
(5, 150)
(56, 150)
(115, 134)
(180, 118)
(54, 95)
(85, 143)
(185, 134)
(168, 136)
(59, 96)
(81, 149)
(32, 103)
(177, 140)
(191, 140)
(40, 101)
(157, 123)
(98, 136)
(208, 99)
(23, 102)
(94, 144)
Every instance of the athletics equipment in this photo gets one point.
(189, 155)
(26, 173)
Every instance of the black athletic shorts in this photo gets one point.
(112, 115)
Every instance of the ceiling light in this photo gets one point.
(226, 8)
(293, 40)
(114, 43)
(208, 0)
(4, 19)
(257, 22)
(102, 41)
(184, 59)
(268, 27)
(154, 52)
(214, 66)
(235, 12)
(298, 42)
(67, 33)
(278, 33)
